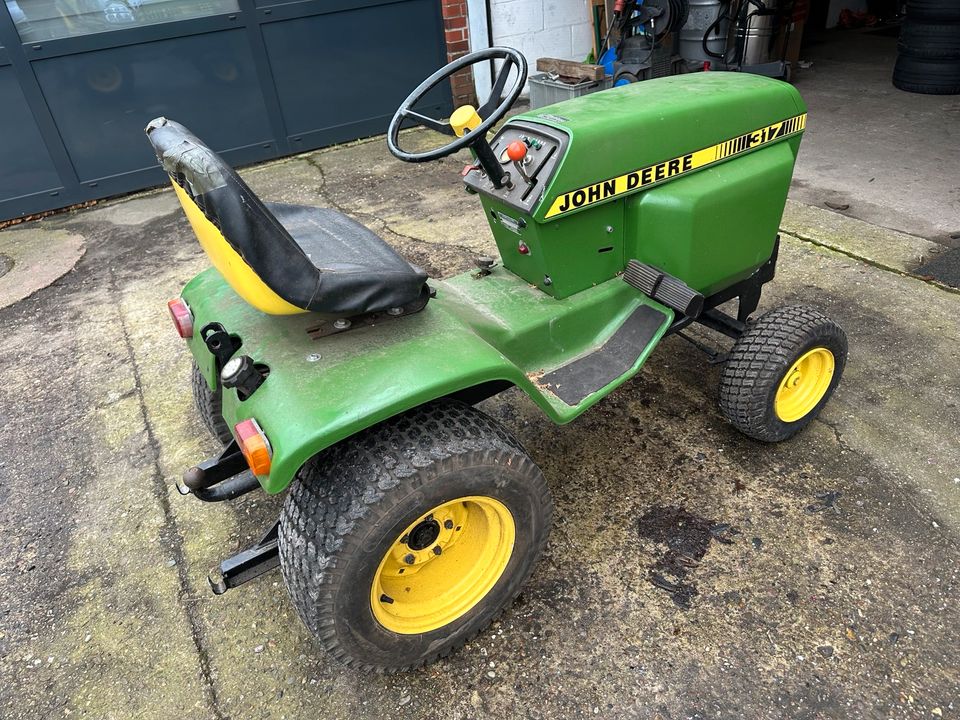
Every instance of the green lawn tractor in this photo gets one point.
(332, 369)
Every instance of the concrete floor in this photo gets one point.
(838, 596)
(892, 156)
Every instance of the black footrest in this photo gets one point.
(664, 288)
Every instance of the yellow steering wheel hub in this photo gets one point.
(464, 119)
(442, 565)
(804, 385)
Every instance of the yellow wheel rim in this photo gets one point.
(804, 385)
(442, 565)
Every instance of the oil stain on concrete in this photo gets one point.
(685, 539)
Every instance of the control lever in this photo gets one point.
(488, 161)
(517, 152)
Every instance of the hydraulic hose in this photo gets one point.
(724, 14)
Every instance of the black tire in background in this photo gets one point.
(933, 10)
(209, 406)
(930, 40)
(349, 504)
(927, 76)
(625, 75)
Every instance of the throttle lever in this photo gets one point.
(517, 152)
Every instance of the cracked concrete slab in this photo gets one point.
(837, 595)
(130, 211)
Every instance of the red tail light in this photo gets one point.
(182, 317)
(254, 446)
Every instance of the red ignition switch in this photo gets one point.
(517, 150)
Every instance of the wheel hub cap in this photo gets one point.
(424, 535)
(804, 385)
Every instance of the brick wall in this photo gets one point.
(458, 43)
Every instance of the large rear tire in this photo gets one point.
(209, 406)
(401, 543)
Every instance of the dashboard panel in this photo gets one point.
(523, 190)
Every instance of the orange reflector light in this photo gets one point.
(182, 317)
(254, 446)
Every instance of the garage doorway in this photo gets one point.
(255, 79)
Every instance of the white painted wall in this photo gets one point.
(478, 24)
(543, 28)
(537, 28)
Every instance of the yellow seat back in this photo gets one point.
(245, 282)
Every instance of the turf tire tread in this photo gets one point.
(346, 483)
(210, 406)
(760, 358)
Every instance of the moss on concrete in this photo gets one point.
(882, 247)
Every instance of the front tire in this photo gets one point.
(781, 372)
(401, 543)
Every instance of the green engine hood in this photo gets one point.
(637, 126)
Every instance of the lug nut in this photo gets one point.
(448, 524)
(409, 559)
(437, 550)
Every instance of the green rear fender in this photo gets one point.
(321, 391)
(301, 420)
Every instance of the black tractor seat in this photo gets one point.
(316, 259)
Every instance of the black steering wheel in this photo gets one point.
(490, 111)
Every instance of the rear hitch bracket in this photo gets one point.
(224, 477)
(248, 564)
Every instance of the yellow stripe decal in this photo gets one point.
(652, 174)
